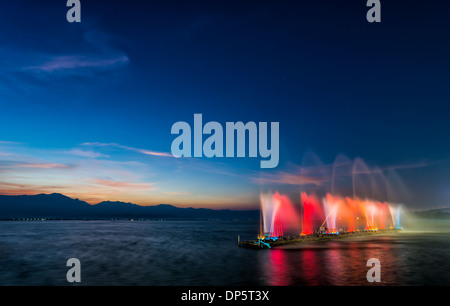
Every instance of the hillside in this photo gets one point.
(60, 206)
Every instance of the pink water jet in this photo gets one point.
(279, 215)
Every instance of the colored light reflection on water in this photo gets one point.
(206, 254)
(332, 263)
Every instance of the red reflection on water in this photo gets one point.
(337, 268)
(332, 263)
(311, 271)
(279, 268)
(293, 267)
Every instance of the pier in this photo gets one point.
(267, 242)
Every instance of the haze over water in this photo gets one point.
(206, 253)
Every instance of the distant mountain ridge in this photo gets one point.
(437, 213)
(57, 205)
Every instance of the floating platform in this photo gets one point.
(272, 242)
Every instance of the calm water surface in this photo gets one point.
(206, 253)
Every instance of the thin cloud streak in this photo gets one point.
(19, 164)
(124, 185)
(89, 154)
(74, 172)
(67, 63)
(142, 151)
(290, 179)
(8, 188)
(322, 174)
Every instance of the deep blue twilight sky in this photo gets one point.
(87, 108)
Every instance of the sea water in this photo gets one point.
(191, 253)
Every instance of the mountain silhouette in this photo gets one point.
(56, 205)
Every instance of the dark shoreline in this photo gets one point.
(282, 241)
(127, 219)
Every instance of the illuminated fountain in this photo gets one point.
(395, 213)
(331, 207)
(311, 213)
(355, 198)
(278, 215)
(267, 209)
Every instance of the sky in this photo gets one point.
(87, 108)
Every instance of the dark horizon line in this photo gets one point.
(187, 207)
(109, 201)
